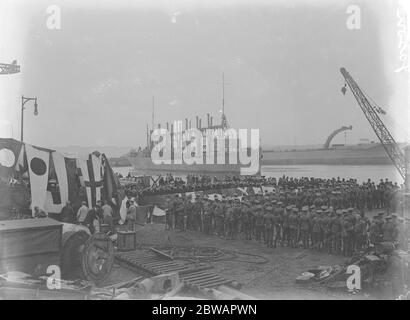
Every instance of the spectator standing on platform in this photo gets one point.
(67, 213)
(107, 214)
(82, 212)
(131, 216)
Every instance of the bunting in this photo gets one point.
(66, 173)
(38, 163)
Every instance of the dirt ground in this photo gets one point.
(272, 280)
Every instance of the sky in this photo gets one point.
(95, 77)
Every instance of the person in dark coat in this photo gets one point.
(67, 213)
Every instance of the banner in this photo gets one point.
(38, 163)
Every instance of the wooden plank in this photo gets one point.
(21, 224)
(160, 253)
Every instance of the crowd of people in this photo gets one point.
(334, 192)
(100, 214)
(169, 184)
(321, 214)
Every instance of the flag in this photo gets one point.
(73, 180)
(50, 206)
(57, 170)
(214, 196)
(158, 212)
(84, 178)
(91, 178)
(21, 164)
(38, 164)
(158, 215)
(94, 173)
(10, 150)
(257, 190)
(111, 184)
(250, 191)
(243, 191)
(269, 189)
(191, 195)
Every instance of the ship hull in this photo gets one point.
(144, 165)
(349, 155)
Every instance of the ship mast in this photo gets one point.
(153, 109)
(224, 122)
(223, 94)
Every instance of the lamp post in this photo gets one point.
(24, 100)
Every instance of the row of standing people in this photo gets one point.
(336, 231)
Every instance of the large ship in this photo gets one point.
(363, 153)
(144, 165)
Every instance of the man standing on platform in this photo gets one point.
(107, 214)
(67, 213)
(131, 216)
(82, 212)
(169, 212)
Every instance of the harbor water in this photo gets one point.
(361, 173)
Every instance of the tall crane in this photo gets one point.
(371, 112)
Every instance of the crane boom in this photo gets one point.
(386, 139)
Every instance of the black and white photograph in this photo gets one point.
(203, 156)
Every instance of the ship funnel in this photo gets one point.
(167, 126)
(186, 123)
(208, 119)
(197, 122)
(212, 118)
(200, 123)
